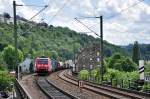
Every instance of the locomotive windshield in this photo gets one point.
(42, 61)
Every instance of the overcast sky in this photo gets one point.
(132, 24)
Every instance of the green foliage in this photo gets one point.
(147, 69)
(2, 68)
(95, 73)
(62, 40)
(2, 64)
(136, 53)
(9, 56)
(105, 66)
(119, 76)
(53, 54)
(146, 87)
(5, 81)
(83, 74)
(121, 63)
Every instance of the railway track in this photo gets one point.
(105, 90)
(72, 89)
(51, 91)
(62, 85)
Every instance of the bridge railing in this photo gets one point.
(123, 84)
(23, 92)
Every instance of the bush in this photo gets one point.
(83, 74)
(121, 63)
(146, 87)
(9, 56)
(119, 76)
(5, 81)
(147, 69)
(95, 73)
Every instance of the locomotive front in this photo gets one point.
(43, 65)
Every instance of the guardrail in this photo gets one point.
(23, 92)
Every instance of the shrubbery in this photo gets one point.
(5, 81)
(83, 74)
(146, 87)
(121, 63)
(121, 77)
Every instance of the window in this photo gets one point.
(42, 61)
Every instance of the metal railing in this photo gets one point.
(23, 92)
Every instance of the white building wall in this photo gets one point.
(25, 65)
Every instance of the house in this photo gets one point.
(25, 65)
(88, 58)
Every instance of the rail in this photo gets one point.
(52, 91)
(114, 90)
(23, 92)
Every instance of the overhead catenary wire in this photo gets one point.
(33, 17)
(39, 12)
(59, 11)
(122, 10)
(34, 5)
(119, 13)
(80, 30)
(31, 27)
(29, 20)
(87, 27)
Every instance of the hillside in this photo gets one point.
(42, 39)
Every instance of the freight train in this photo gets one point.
(44, 65)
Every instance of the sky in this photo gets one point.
(125, 21)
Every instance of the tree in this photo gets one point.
(9, 56)
(2, 64)
(6, 16)
(54, 55)
(136, 53)
(121, 63)
(129, 65)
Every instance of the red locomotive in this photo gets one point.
(43, 65)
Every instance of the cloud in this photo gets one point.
(123, 28)
(24, 11)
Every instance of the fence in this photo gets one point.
(141, 86)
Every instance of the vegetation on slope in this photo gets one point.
(48, 39)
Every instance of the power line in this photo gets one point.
(28, 20)
(87, 27)
(107, 1)
(34, 5)
(31, 27)
(39, 12)
(33, 15)
(85, 32)
(81, 31)
(59, 10)
(117, 13)
(125, 9)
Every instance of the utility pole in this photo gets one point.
(101, 35)
(15, 36)
(74, 67)
(101, 40)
